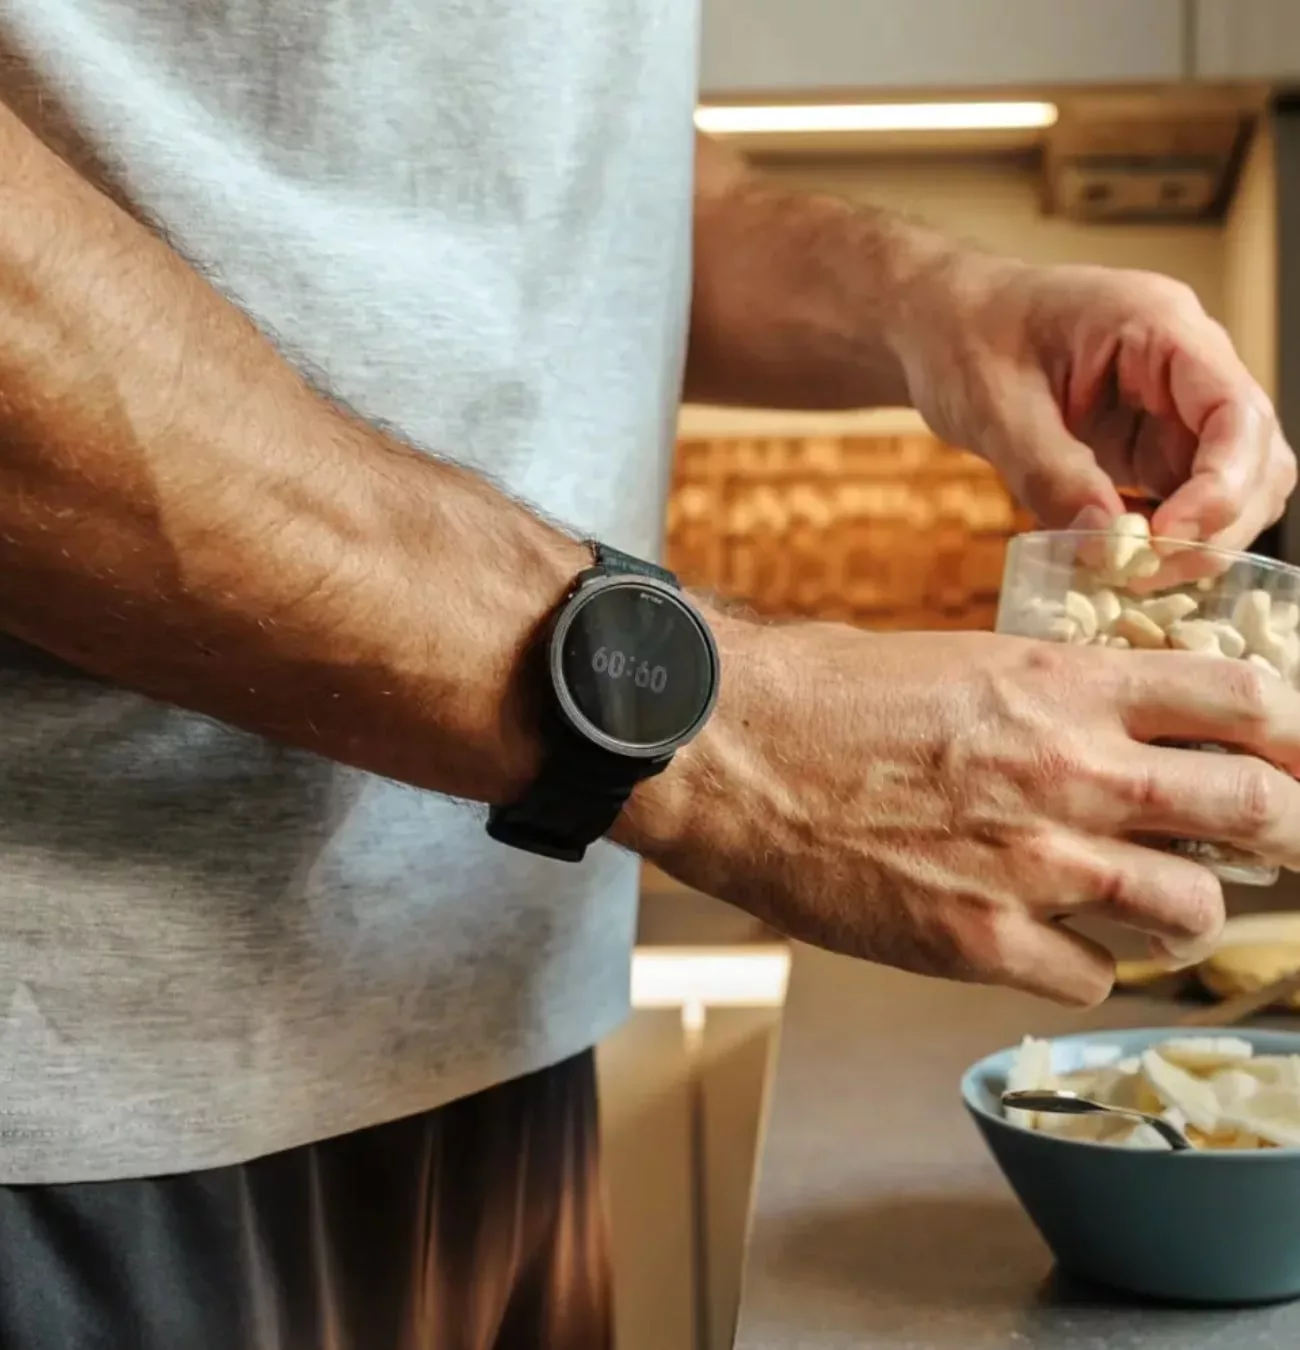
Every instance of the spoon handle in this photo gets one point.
(1058, 1103)
(1067, 1104)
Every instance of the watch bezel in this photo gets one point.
(574, 716)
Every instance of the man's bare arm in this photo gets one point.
(181, 513)
(799, 300)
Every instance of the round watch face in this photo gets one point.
(636, 664)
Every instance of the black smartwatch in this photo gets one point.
(630, 673)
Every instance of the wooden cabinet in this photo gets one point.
(1247, 40)
(788, 46)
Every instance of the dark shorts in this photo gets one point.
(474, 1227)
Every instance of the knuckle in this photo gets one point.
(1097, 778)
(1200, 912)
(1178, 298)
(1055, 780)
(1137, 787)
(1191, 909)
(1000, 939)
(1114, 890)
(986, 942)
(1064, 760)
(1038, 852)
(1286, 472)
(1166, 300)
(1247, 690)
(1256, 797)
(1047, 662)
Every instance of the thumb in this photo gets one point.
(1054, 475)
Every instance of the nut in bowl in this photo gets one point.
(1123, 588)
(1219, 1223)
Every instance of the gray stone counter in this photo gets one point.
(880, 1222)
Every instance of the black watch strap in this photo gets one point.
(624, 564)
(581, 789)
(577, 796)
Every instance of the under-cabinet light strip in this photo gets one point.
(779, 119)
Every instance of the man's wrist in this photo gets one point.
(676, 818)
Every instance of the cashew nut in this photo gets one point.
(1140, 630)
(1080, 609)
(1167, 610)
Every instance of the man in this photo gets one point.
(309, 315)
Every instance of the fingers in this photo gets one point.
(1176, 696)
(1050, 961)
(1067, 873)
(1169, 898)
(1221, 798)
(1227, 466)
(1267, 500)
(1242, 470)
(1145, 889)
(1056, 476)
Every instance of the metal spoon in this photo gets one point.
(1065, 1103)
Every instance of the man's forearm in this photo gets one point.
(181, 513)
(799, 300)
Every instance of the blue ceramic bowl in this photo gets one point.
(1199, 1227)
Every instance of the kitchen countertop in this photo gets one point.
(879, 1220)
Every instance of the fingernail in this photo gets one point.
(1161, 954)
(1091, 518)
(1185, 951)
(1184, 531)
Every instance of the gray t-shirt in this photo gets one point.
(471, 217)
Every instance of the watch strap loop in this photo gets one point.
(613, 561)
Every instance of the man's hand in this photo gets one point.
(1075, 380)
(942, 802)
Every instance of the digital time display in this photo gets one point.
(637, 665)
(620, 666)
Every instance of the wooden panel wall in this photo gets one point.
(883, 531)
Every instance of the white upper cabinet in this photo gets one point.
(1247, 40)
(800, 46)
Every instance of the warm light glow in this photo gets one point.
(709, 977)
(774, 119)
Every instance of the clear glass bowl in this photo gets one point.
(1189, 597)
